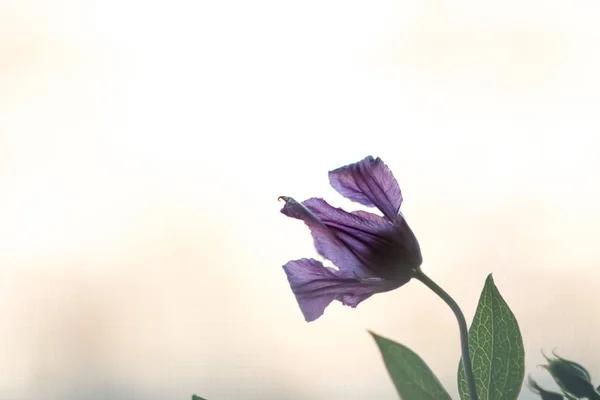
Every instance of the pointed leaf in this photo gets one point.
(194, 397)
(412, 377)
(496, 349)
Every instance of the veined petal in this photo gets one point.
(371, 183)
(326, 242)
(315, 286)
(385, 249)
(358, 231)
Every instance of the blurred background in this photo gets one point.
(143, 147)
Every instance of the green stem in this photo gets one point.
(462, 325)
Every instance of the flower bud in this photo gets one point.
(571, 377)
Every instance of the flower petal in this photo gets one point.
(360, 243)
(369, 182)
(385, 249)
(315, 286)
(326, 242)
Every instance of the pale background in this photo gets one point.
(143, 146)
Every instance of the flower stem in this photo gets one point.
(462, 325)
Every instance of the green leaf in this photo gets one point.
(496, 349)
(412, 377)
(194, 397)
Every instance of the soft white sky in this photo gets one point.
(143, 147)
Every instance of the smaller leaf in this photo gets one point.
(194, 397)
(496, 349)
(411, 376)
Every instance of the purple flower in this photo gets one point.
(373, 254)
